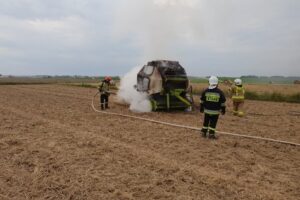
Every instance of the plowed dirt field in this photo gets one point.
(54, 146)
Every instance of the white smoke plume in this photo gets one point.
(169, 29)
(138, 102)
(157, 26)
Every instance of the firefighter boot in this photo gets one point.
(241, 114)
(204, 131)
(235, 113)
(212, 134)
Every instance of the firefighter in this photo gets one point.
(104, 92)
(238, 97)
(212, 103)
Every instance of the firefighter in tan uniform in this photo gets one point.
(238, 97)
(104, 88)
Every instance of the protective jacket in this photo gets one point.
(238, 93)
(212, 101)
(104, 88)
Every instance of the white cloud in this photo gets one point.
(71, 31)
(259, 29)
(248, 35)
(166, 3)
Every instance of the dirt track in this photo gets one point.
(53, 146)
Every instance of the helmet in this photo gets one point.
(238, 81)
(107, 78)
(213, 81)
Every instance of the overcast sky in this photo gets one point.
(101, 37)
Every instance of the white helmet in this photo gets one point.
(213, 82)
(238, 81)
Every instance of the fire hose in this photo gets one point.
(188, 127)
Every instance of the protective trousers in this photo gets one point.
(104, 101)
(210, 123)
(238, 108)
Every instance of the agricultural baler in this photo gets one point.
(167, 85)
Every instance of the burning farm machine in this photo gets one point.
(166, 84)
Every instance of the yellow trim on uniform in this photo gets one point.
(212, 112)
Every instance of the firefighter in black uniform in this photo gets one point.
(104, 92)
(212, 102)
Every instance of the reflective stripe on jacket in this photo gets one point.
(212, 112)
(238, 93)
(212, 100)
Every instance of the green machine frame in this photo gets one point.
(175, 93)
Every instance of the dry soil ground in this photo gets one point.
(53, 146)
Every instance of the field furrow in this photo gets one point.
(54, 146)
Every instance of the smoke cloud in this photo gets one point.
(138, 102)
(224, 37)
(158, 26)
